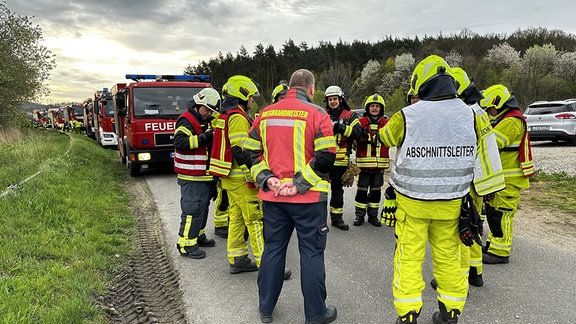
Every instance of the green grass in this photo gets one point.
(554, 191)
(64, 232)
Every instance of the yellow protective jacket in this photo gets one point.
(510, 131)
(392, 134)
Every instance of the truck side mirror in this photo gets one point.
(120, 106)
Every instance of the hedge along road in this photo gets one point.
(536, 286)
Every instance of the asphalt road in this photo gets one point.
(537, 286)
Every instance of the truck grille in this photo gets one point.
(164, 139)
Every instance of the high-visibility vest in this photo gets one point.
(193, 162)
(342, 141)
(370, 153)
(221, 156)
(436, 159)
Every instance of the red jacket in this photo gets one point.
(370, 153)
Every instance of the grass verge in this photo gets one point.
(64, 232)
(554, 191)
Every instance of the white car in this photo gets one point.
(552, 121)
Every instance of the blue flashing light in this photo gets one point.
(145, 141)
(197, 78)
(104, 89)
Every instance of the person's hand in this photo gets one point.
(288, 189)
(209, 133)
(273, 184)
(488, 197)
(339, 127)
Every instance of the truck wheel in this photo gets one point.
(134, 169)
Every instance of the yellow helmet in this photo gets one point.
(280, 89)
(241, 87)
(375, 98)
(466, 88)
(427, 70)
(462, 79)
(498, 96)
(208, 97)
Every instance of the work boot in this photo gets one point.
(192, 252)
(434, 284)
(359, 220)
(374, 221)
(205, 242)
(329, 316)
(444, 316)
(408, 318)
(243, 264)
(221, 231)
(491, 258)
(339, 222)
(266, 318)
(474, 278)
(287, 273)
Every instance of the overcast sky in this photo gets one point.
(97, 42)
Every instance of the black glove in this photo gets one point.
(494, 218)
(339, 127)
(206, 137)
(469, 224)
(488, 197)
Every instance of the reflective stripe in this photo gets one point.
(188, 157)
(190, 166)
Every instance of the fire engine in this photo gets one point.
(56, 118)
(74, 116)
(146, 111)
(102, 114)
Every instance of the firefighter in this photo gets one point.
(292, 149)
(471, 257)
(514, 145)
(192, 141)
(437, 140)
(279, 92)
(346, 129)
(228, 162)
(372, 158)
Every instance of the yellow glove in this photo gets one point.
(389, 207)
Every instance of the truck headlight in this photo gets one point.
(144, 157)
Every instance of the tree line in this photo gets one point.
(534, 63)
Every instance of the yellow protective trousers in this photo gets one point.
(245, 212)
(221, 207)
(506, 202)
(412, 235)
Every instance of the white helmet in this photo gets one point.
(334, 91)
(208, 97)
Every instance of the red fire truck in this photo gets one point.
(56, 118)
(103, 118)
(146, 111)
(74, 116)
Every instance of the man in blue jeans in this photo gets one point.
(291, 148)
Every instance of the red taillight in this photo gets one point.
(565, 116)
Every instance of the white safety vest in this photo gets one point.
(436, 158)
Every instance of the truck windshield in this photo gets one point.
(162, 101)
(108, 105)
